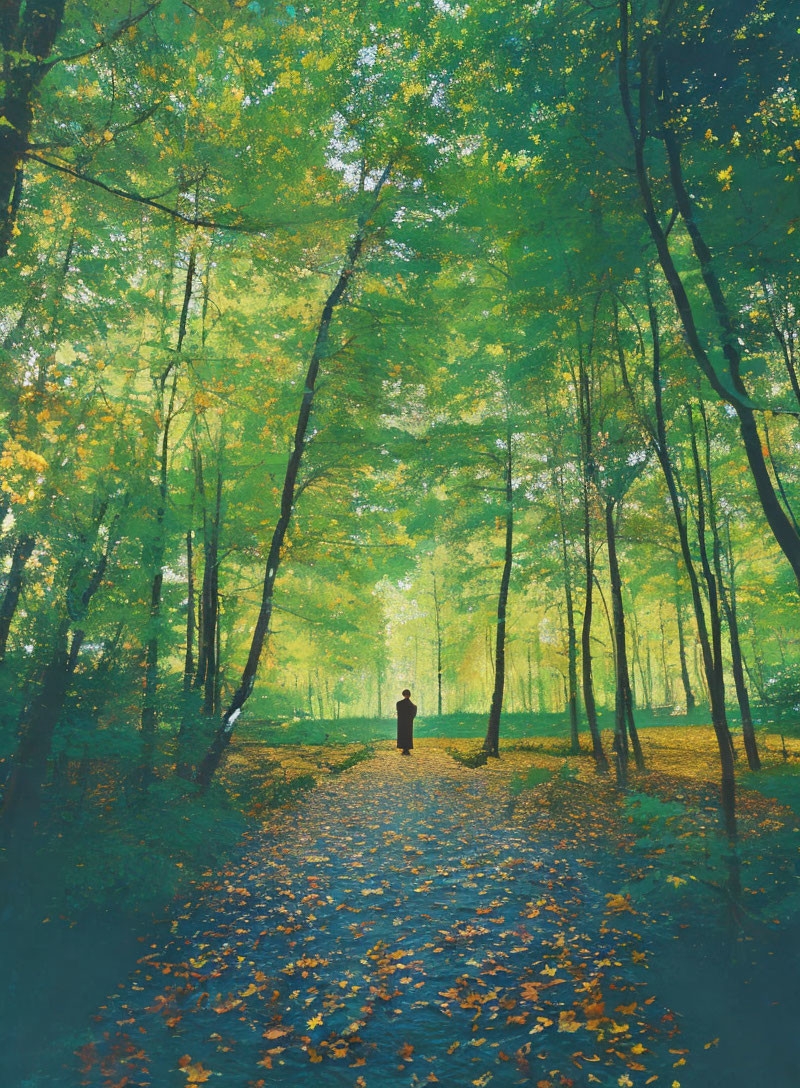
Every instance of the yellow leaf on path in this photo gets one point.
(617, 903)
(195, 1073)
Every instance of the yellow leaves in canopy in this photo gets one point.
(320, 62)
(414, 89)
(288, 79)
(725, 176)
(16, 463)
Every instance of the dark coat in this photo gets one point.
(406, 712)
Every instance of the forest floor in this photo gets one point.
(417, 921)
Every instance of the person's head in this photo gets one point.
(406, 693)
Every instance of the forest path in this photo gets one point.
(399, 926)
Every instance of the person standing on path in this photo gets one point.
(405, 722)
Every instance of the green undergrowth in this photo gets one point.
(518, 726)
(112, 846)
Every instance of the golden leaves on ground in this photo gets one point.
(411, 915)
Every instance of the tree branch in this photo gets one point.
(148, 202)
(119, 30)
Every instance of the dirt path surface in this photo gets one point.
(401, 926)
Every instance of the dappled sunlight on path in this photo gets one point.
(398, 926)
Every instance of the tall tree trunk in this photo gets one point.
(222, 735)
(784, 332)
(737, 667)
(438, 623)
(41, 714)
(623, 712)
(645, 699)
(27, 34)
(541, 701)
(658, 440)
(669, 696)
(712, 587)
(20, 556)
(491, 743)
(572, 663)
(188, 660)
(735, 394)
(587, 677)
(149, 716)
(37, 726)
(557, 478)
(211, 599)
(687, 686)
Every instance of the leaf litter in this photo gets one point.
(394, 929)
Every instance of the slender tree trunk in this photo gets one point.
(586, 646)
(657, 437)
(492, 739)
(586, 459)
(623, 714)
(438, 621)
(222, 735)
(40, 717)
(572, 641)
(541, 701)
(188, 661)
(716, 696)
(645, 699)
(572, 667)
(737, 668)
(712, 588)
(211, 586)
(687, 686)
(669, 697)
(23, 549)
(778, 480)
(149, 717)
(784, 334)
(736, 395)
